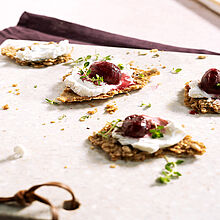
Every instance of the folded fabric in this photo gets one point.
(43, 28)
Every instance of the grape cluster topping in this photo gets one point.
(210, 81)
(110, 72)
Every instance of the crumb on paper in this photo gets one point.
(16, 109)
(14, 85)
(92, 147)
(127, 52)
(19, 151)
(183, 126)
(127, 94)
(91, 105)
(212, 128)
(45, 136)
(65, 167)
(18, 93)
(44, 124)
(52, 122)
(131, 63)
(92, 112)
(62, 129)
(163, 67)
(201, 57)
(112, 166)
(111, 108)
(154, 50)
(9, 91)
(17, 90)
(5, 107)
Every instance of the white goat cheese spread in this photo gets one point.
(88, 88)
(172, 135)
(42, 51)
(196, 92)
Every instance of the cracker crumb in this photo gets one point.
(5, 107)
(212, 128)
(16, 109)
(201, 57)
(163, 67)
(9, 91)
(44, 124)
(52, 122)
(111, 108)
(154, 50)
(65, 167)
(18, 93)
(62, 129)
(92, 112)
(112, 166)
(16, 89)
(155, 55)
(44, 136)
(92, 147)
(91, 105)
(131, 63)
(183, 125)
(14, 85)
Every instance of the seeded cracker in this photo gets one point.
(185, 148)
(200, 104)
(10, 52)
(69, 96)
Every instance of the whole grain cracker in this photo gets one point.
(11, 51)
(185, 148)
(69, 96)
(200, 104)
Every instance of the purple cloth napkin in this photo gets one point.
(43, 28)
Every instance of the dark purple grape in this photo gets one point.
(136, 126)
(210, 81)
(110, 72)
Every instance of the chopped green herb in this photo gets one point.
(113, 125)
(156, 133)
(218, 84)
(145, 105)
(88, 57)
(86, 64)
(141, 75)
(121, 67)
(109, 57)
(52, 102)
(176, 70)
(84, 117)
(141, 54)
(155, 55)
(169, 171)
(35, 86)
(62, 117)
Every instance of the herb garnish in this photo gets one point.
(141, 75)
(156, 133)
(170, 171)
(155, 55)
(109, 57)
(52, 102)
(121, 67)
(62, 117)
(35, 86)
(176, 70)
(84, 117)
(113, 125)
(145, 105)
(218, 84)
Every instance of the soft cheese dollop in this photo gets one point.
(42, 51)
(172, 134)
(196, 92)
(87, 88)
